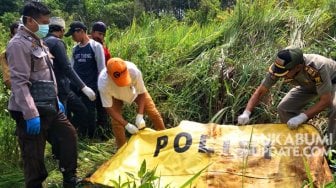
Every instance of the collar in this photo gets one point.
(29, 35)
(51, 35)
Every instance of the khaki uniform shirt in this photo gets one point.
(109, 90)
(4, 67)
(27, 60)
(320, 79)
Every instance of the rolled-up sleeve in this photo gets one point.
(19, 60)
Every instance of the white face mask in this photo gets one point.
(43, 29)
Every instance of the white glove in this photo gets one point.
(140, 122)
(131, 128)
(244, 118)
(89, 93)
(294, 122)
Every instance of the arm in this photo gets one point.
(64, 65)
(244, 118)
(324, 102)
(99, 56)
(139, 121)
(324, 90)
(140, 101)
(116, 116)
(60, 54)
(256, 97)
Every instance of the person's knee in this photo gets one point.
(281, 109)
(158, 122)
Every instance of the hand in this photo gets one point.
(131, 128)
(89, 93)
(294, 122)
(244, 118)
(61, 106)
(140, 122)
(33, 125)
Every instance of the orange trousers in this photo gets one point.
(149, 109)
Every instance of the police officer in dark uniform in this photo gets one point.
(29, 62)
(314, 76)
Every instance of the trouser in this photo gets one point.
(150, 110)
(297, 98)
(102, 118)
(88, 127)
(32, 147)
(77, 113)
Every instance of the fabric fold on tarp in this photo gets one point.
(263, 155)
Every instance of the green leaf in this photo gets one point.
(142, 170)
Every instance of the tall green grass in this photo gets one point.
(195, 70)
(10, 162)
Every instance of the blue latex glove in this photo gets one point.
(33, 125)
(61, 107)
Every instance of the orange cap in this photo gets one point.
(117, 70)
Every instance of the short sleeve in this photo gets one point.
(269, 80)
(106, 99)
(104, 90)
(140, 85)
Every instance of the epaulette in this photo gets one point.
(313, 74)
(34, 43)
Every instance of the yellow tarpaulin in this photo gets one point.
(263, 155)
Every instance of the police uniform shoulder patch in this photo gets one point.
(313, 74)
